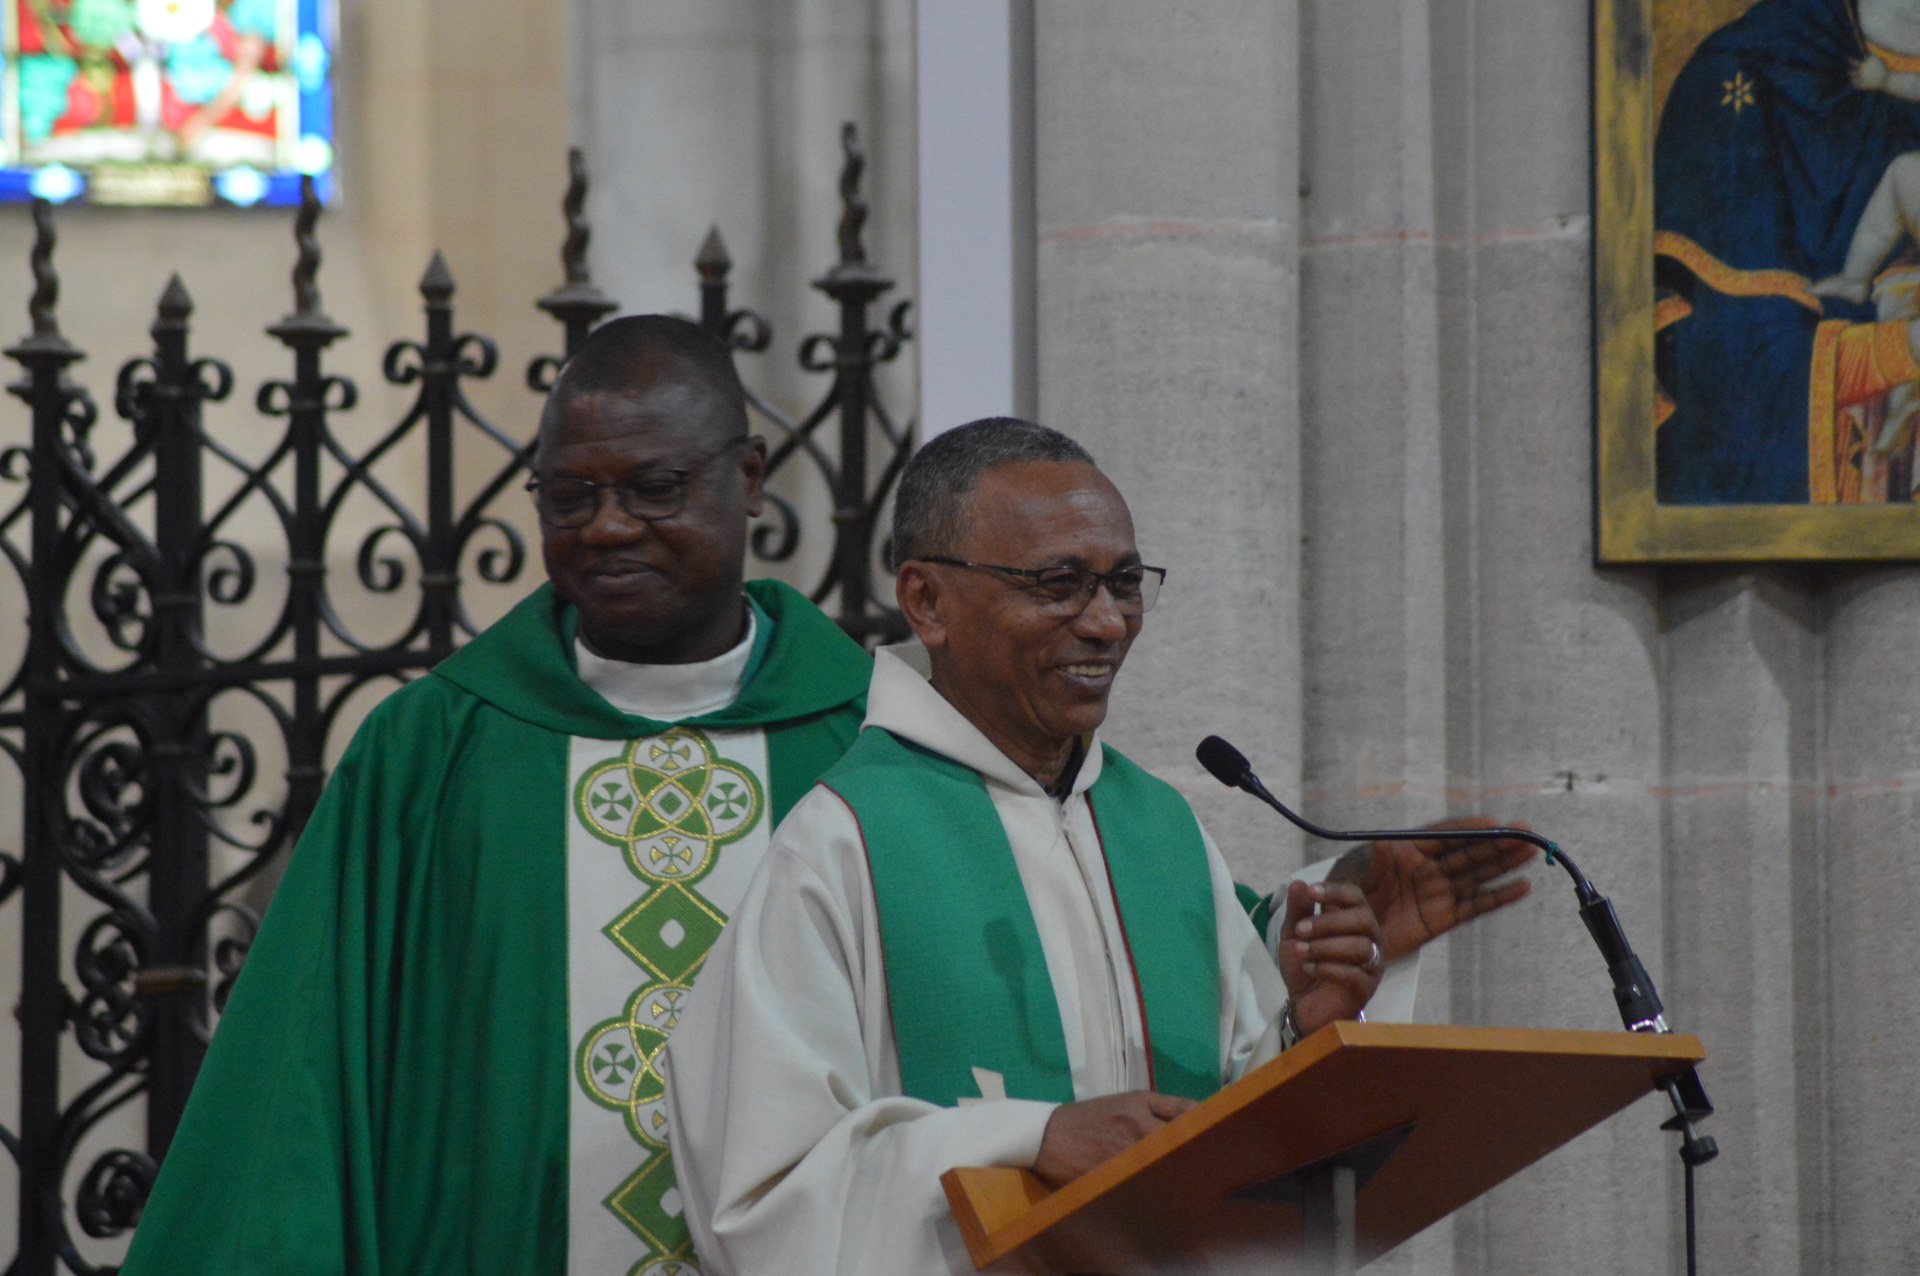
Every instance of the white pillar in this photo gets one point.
(974, 86)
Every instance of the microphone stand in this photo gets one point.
(1633, 991)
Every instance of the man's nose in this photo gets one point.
(1102, 619)
(611, 524)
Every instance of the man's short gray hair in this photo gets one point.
(929, 510)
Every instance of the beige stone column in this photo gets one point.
(1565, 672)
(1382, 578)
(1745, 843)
(728, 113)
(1167, 171)
(1872, 1029)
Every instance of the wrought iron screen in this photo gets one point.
(144, 813)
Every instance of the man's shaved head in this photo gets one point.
(638, 354)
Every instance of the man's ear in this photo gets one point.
(917, 591)
(753, 474)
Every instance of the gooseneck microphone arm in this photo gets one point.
(1633, 991)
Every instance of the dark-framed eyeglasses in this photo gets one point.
(1067, 591)
(647, 495)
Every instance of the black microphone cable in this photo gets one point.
(1633, 990)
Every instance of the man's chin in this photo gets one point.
(624, 632)
(1078, 720)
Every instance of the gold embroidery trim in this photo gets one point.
(1893, 360)
(1669, 310)
(1896, 62)
(1822, 485)
(1730, 280)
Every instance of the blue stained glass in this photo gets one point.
(310, 62)
(242, 185)
(316, 111)
(55, 183)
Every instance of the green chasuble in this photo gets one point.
(967, 980)
(389, 1088)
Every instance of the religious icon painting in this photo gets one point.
(1756, 280)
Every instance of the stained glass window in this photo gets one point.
(186, 102)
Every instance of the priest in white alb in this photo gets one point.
(985, 937)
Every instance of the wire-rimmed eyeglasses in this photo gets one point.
(648, 495)
(1069, 590)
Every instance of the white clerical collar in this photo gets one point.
(668, 693)
(901, 700)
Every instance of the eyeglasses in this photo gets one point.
(1067, 591)
(647, 495)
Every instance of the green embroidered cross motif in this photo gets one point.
(619, 1061)
(668, 804)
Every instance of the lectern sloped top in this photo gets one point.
(1475, 1105)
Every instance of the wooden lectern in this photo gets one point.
(1346, 1145)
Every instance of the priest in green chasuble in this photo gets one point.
(445, 1052)
(986, 937)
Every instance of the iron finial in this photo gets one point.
(306, 291)
(46, 283)
(713, 261)
(853, 214)
(176, 305)
(573, 253)
(577, 304)
(308, 323)
(437, 284)
(44, 345)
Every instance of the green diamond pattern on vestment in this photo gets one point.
(668, 803)
(668, 932)
(649, 1203)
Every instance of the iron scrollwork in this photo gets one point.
(852, 402)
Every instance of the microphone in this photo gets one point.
(1230, 766)
(1633, 991)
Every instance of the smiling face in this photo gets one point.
(665, 591)
(1030, 680)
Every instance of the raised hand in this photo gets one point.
(1421, 889)
(1331, 960)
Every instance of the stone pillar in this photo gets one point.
(1377, 573)
(1167, 171)
(1744, 863)
(1565, 678)
(1873, 891)
(729, 113)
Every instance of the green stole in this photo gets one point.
(967, 980)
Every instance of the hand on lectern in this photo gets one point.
(1081, 1135)
(1331, 960)
(1422, 889)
